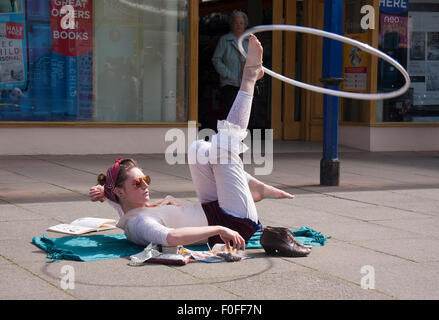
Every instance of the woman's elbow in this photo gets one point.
(172, 239)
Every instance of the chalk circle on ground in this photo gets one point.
(363, 46)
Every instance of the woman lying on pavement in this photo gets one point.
(226, 210)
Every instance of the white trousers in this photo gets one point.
(225, 182)
(216, 168)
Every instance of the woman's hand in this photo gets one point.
(96, 193)
(168, 200)
(229, 235)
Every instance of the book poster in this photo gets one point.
(71, 31)
(355, 64)
(423, 57)
(390, 23)
(13, 50)
(58, 77)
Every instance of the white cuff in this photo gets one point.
(227, 143)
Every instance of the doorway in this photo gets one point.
(213, 23)
(301, 117)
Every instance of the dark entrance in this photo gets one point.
(214, 17)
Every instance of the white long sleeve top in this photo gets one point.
(152, 224)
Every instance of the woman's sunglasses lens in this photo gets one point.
(147, 180)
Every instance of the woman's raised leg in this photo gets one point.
(232, 182)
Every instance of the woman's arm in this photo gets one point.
(168, 200)
(96, 193)
(189, 235)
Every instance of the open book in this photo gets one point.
(84, 225)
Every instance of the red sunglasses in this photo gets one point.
(138, 181)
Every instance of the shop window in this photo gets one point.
(409, 32)
(106, 61)
(355, 62)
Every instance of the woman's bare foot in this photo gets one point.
(260, 190)
(253, 65)
(272, 192)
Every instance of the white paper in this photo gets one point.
(91, 222)
(70, 229)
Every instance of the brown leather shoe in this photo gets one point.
(281, 241)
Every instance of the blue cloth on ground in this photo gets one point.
(101, 247)
(87, 248)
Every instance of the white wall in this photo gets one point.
(390, 138)
(83, 140)
(131, 140)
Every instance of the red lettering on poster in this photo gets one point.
(76, 39)
(15, 30)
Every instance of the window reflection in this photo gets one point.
(108, 60)
(141, 52)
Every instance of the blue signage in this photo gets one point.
(394, 6)
(53, 87)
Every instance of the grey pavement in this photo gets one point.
(383, 221)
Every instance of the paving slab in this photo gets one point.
(303, 284)
(121, 281)
(393, 274)
(14, 212)
(67, 211)
(419, 249)
(22, 284)
(383, 215)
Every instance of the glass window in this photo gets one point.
(103, 61)
(8, 6)
(355, 62)
(13, 53)
(409, 32)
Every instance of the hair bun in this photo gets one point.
(101, 179)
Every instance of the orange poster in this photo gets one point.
(355, 64)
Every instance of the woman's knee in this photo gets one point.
(196, 145)
(198, 152)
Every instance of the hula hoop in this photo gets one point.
(344, 94)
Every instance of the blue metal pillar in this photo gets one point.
(331, 78)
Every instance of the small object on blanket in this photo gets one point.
(229, 257)
(232, 255)
(218, 253)
(151, 251)
(152, 254)
(171, 249)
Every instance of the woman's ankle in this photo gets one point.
(252, 73)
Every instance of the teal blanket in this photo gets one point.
(87, 248)
(100, 247)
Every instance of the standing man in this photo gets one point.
(227, 59)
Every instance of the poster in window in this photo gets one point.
(71, 31)
(13, 49)
(395, 24)
(59, 64)
(423, 57)
(355, 64)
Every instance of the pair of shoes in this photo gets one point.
(280, 240)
